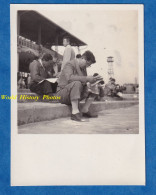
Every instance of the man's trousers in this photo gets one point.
(73, 91)
(44, 88)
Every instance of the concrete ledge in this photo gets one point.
(130, 96)
(38, 111)
(21, 98)
(31, 97)
(23, 93)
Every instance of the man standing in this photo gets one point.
(69, 53)
(72, 85)
(39, 70)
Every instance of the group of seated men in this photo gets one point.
(112, 89)
(71, 85)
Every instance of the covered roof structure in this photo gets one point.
(36, 27)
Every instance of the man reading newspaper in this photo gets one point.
(72, 86)
(40, 71)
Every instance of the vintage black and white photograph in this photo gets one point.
(77, 96)
(77, 71)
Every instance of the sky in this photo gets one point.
(107, 33)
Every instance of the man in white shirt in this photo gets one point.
(69, 53)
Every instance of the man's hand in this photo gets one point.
(91, 79)
(50, 74)
(98, 77)
(58, 74)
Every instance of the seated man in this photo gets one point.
(72, 85)
(97, 87)
(39, 70)
(110, 88)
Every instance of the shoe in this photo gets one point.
(76, 117)
(89, 115)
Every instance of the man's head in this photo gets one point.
(78, 56)
(47, 60)
(87, 59)
(112, 80)
(101, 81)
(66, 41)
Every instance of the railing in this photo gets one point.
(21, 41)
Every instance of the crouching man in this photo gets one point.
(72, 85)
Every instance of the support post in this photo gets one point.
(78, 49)
(18, 34)
(39, 34)
(18, 23)
(56, 52)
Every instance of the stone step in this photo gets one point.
(28, 97)
(31, 112)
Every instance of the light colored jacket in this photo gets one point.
(71, 73)
(68, 55)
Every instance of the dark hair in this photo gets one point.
(95, 74)
(88, 55)
(67, 38)
(47, 57)
(112, 79)
(78, 56)
(101, 82)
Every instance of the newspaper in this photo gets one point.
(51, 80)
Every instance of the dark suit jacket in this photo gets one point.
(37, 72)
(69, 74)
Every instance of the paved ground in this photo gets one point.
(114, 121)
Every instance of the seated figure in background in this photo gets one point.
(110, 88)
(97, 87)
(40, 70)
